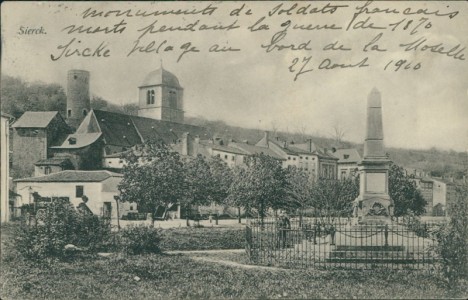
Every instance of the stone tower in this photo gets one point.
(161, 97)
(78, 100)
(374, 205)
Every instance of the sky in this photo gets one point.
(422, 108)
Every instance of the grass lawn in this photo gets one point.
(190, 238)
(181, 276)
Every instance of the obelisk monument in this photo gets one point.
(374, 205)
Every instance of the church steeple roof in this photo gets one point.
(161, 77)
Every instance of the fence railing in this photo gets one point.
(340, 244)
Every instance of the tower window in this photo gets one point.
(75, 77)
(85, 112)
(150, 97)
(173, 99)
(69, 113)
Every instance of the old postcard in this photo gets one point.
(344, 92)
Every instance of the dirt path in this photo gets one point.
(234, 264)
(205, 251)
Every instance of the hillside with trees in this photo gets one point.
(19, 96)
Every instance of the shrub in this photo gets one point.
(139, 240)
(452, 240)
(59, 225)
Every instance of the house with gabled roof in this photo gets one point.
(34, 133)
(100, 187)
(348, 160)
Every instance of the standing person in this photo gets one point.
(284, 226)
(83, 207)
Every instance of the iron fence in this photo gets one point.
(317, 243)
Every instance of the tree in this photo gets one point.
(199, 182)
(19, 96)
(299, 190)
(333, 198)
(402, 189)
(452, 240)
(221, 179)
(153, 176)
(261, 185)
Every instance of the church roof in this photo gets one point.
(161, 77)
(75, 141)
(35, 119)
(117, 129)
(127, 131)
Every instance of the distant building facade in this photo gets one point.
(5, 168)
(348, 160)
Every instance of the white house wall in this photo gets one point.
(93, 190)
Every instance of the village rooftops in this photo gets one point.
(73, 176)
(224, 148)
(35, 119)
(347, 156)
(251, 149)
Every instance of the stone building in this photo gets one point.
(34, 134)
(348, 160)
(5, 205)
(78, 99)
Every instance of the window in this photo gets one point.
(307, 157)
(346, 156)
(294, 158)
(225, 157)
(173, 99)
(289, 157)
(148, 97)
(79, 191)
(131, 207)
(232, 158)
(69, 113)
(152, 97)
(300, 157)
(343, 174)
(85, 112)
(47, 170)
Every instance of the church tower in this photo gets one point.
(78, 100)
(161, 97)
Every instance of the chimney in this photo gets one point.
(196, 145)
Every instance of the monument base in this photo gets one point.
(374, 220)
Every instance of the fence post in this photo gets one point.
(386, 234)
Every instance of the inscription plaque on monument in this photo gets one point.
(375, 182)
